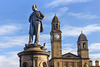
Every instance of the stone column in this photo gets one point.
(75, 64)
(35, 63)
(47, 63)
(69, 63)
(64, 64)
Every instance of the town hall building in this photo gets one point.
(68, 60)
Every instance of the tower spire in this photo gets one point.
(56, 38)
(55, 14)
(81, 32)
(55, 23)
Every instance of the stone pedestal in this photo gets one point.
(34, 55)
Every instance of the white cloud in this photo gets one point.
(44, 37)
(60, 12)
(64, 45)
(48, 46)
(55, 3)
(7, 29)
(75, 31)
(9, 60)
(20, 40)
(94, 47)
(13, 41)
(95, 56)
(67, 50)
(83, 16)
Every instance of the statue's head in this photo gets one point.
(34, 7)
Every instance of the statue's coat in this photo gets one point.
(34, 19)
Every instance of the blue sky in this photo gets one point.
(74, 16)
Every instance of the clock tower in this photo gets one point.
(56, 47)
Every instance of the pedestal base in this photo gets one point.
(34, 46)
(34, 55)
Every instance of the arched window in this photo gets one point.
(84, 45)
(56, 26)
(44, 64)
(25, 64)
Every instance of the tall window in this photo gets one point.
(58, 64)
(84, 45)
(56, 26)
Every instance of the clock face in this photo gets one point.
(57, 36)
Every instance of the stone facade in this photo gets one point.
(34, 56)
(68, 59)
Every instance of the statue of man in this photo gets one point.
(36, 27)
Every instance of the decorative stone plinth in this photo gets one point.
(34, 55)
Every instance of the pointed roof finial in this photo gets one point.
(55, 14)
(81, 32)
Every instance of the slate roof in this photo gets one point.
(82, 37)
(55, 19)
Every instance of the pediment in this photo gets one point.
(70, 55)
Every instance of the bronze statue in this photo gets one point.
(36, 27)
